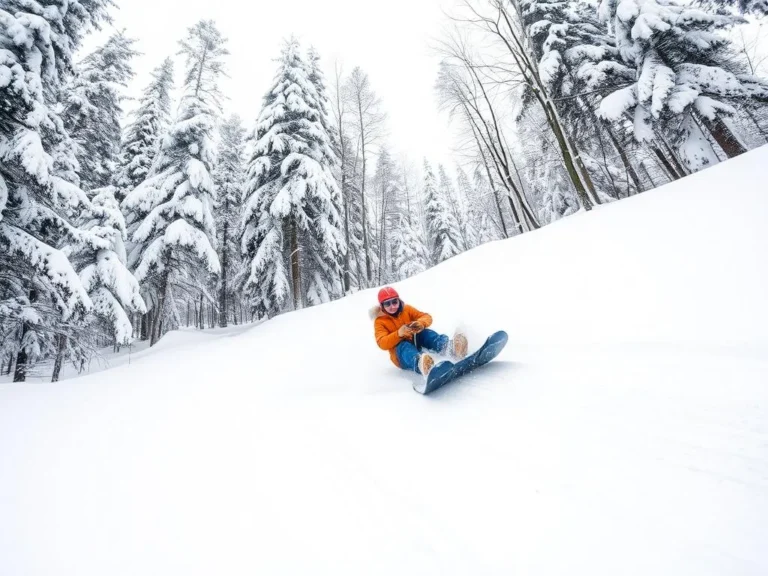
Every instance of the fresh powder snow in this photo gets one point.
(623, 430)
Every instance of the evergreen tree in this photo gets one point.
(756, 7)
(112, 288)
(317, 78)
(229, 177)
(577, 58)
(323, 287)
(410, 255)
(39, 289)
(354, 222)
(441, 223)
(491, 206)
(390, 205)
(357, 232)
(92, 109)
(178, 232)
(686, 78)
(448, 195)
(470, 213)
(142, 137)
(291, 225)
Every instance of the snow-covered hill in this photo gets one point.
(624, 430)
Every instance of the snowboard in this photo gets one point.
(447, 371)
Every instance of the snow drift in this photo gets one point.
(624, 429)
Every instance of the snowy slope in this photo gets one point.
(624, 430)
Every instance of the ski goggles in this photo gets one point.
(391, 302)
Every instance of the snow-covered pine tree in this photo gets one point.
(491, 206)
(577, 59)
(470, 212)
(445, 237)
(390, 204)
(113, 289)
(229, 177)
(317, 78)
(39, 289)
(325, 279)
(556, 201)
(92, 109)
(756, 7)
(291, 228)
(176, 239)
(410, 255)
(141, 140)
(685, 74)
(447, 192)
(474, 81)
(357, 234)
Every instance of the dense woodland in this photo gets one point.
(116, 227)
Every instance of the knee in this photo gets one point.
(407, 355)
(405, 346)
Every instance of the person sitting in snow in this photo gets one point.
(403, 331)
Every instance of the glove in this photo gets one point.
(405, 331)
(416, 326)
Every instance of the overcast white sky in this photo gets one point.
(390, 40)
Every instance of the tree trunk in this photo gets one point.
(756, 123)
(679, 167)
(724, 137)
(144, 327)
(223, 313)
(61, 345)
(295, 265)
(648, 175)
(515, 216)
(565, 152)
(673, 174)
(347, 266)
(158, 316)
(20, 374)
(495, 196)
(624, 158)
(382, 238)
(368, 272)
(362, 198)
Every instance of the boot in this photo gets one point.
(425, 364)
(458, 346)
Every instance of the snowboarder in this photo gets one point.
(403, 331)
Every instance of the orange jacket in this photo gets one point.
(386, 327)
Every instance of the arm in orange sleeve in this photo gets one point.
(422, 317)
(385, 339)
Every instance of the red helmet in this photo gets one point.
(387, 293)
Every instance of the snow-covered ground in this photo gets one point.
(624, 429)
(107, 358)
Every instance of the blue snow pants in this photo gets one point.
(408, 352)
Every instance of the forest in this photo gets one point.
(117, 227)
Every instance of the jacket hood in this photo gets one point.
(376, 311)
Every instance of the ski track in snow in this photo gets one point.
(623, 430)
